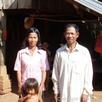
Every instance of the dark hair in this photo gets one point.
(31, 83)
(31, 30)
(72, 25)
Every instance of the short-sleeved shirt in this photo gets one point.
(31, 65)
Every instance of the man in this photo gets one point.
(72, 69)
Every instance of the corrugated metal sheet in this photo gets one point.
(94, 5)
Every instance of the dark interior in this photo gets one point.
(50, 19)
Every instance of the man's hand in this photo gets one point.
(84, 98)
(57, 97)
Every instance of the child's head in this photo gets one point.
(31, 86)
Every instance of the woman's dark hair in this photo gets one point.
(31, 30)
(71, 25)
(31, 83)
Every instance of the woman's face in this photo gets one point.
(32, 39)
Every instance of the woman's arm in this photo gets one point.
(42, 81)
(19, 82)
(40, 98)
(17, 68)
(44, 69)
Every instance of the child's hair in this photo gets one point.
(31, 83)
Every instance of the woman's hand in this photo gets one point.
(41, 88)
(20, 100)
(84, 98)
(20, 90)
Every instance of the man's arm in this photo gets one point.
(88, 87)
(55, 75)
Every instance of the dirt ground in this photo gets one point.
(12, 97)
(97, 93)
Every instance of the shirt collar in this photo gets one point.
(77, 47)
(27, 50)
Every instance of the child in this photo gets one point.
(31, 91)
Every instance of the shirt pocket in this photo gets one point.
(78, 68)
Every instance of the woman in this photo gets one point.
(31, 61)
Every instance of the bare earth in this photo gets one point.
(12, 97)
(97, 94)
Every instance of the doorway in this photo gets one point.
(51, 31)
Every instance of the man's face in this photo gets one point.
(71, 35)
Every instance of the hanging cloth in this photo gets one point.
(98, 46)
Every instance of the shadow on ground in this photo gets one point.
(97, 81)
